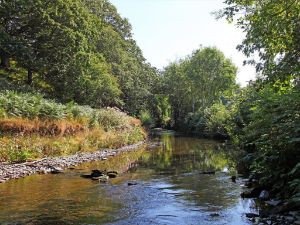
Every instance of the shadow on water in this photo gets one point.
(171, 189)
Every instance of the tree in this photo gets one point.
(211, 74)
(273, 31)
(265, 119)
(198, 81)
(77, 42)
(135, 76)
(44, 35)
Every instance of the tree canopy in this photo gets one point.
(272, 30)
(198, 81)
(82, 50)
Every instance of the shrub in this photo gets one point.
(33, 127)
(266, 123)
(146, 118)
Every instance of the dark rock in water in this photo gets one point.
(264, 195)
(102, 178)
(251, 215)
(208, 172)
(273, 202)
(233, 178)
(251, 183)
(132, 183)
(264, 213)
(269, 222)
(115, 172)
(86, 176)
(55, 170)
(97, 173)
(214, 214)
(253, 193)
(112, 174)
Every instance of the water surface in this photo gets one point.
(171, 189)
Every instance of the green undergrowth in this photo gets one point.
(32, 127)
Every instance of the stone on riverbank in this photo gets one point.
(47, 165)
(252, 193)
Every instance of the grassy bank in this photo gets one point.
(32, 127)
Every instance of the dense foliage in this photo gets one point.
(272, 31)
(265, 115)
(75, 50)
(34, 106)
(33, 127)
(197, 89)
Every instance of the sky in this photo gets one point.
(167, 30)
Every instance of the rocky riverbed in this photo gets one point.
(272, 211)
(57, 164)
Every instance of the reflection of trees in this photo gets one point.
(188, 154)
(182, 155)
(60, 199)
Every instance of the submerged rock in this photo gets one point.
(102, 178)
(252, 193)
(251, 215)
(233, 179)
(131, 183)
(56, 170)
(97, 173)
(112, 174)
(264, 195)
(251, 183)
(273, 202)
(208, 172)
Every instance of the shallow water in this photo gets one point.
(170, 189)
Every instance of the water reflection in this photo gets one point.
(170, 190)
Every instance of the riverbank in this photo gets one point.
(57, 164)
(32, 128)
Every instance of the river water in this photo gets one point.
(170, 189)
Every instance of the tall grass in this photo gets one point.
(32, 127)
(34, 106)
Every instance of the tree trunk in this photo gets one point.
(29, 77)
(5, 62)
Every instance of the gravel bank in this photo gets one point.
(57, 164)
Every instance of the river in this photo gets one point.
(170, 188)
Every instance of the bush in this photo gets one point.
(209, 122)
(34, 106)
(146, 118)
(268, 128)
(216, 118)
(34, 127)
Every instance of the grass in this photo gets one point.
(30, 147)
(32, 127)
